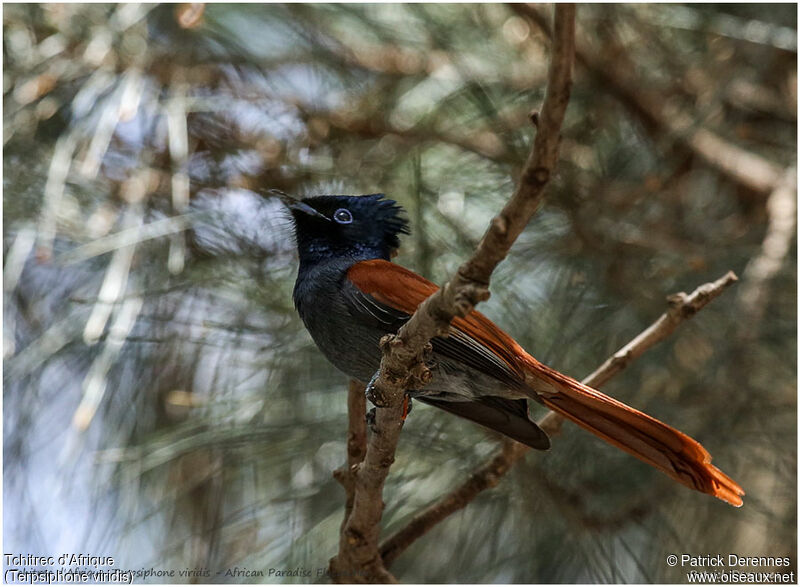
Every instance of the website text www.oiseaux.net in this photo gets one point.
(734, 568)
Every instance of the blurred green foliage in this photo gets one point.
(162, 403)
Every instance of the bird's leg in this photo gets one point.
(372, 394)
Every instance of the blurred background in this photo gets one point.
(164, 405)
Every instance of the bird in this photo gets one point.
(349, 294)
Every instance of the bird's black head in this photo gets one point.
(357, 227)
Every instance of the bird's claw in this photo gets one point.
(374, 397)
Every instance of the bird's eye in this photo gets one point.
(343, 216)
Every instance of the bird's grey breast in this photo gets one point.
(327, 311)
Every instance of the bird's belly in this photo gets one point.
(354, 350)
(351, 348)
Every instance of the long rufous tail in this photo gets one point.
(667, 449)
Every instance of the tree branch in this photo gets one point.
(356, 443)
(403, 366)
(681, 308)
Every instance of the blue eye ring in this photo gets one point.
(343, 216)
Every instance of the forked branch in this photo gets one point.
(403, 366)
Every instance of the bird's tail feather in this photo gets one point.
(667, 449)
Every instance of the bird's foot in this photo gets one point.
(373, 396)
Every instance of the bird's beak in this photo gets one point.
(296, 205)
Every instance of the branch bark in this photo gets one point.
(403, 366)
(356, 444)
(681, 308)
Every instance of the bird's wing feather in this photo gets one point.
(389, 294)
(509, 417)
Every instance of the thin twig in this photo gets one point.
(681, 308)
(402, 365)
